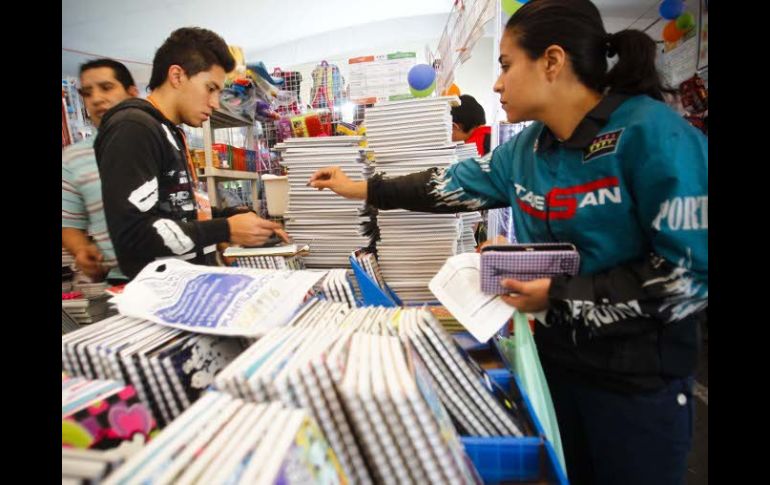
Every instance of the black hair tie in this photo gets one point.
(611, 52)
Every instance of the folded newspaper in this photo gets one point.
(223, 301)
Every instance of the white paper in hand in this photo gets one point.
(458, 287)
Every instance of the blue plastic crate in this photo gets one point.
(509, 459)
(510, 382)
(504, 459)
(469, 342)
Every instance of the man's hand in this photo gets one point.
(89, 259)
(530, 296)
(250, 230)
(334, 178)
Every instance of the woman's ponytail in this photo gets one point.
(635, 71)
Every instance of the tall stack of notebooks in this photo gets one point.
(332, 225)
(410, 136)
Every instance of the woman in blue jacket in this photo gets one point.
(609, 167)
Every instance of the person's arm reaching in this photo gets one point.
(465, 186)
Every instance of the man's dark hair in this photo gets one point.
(469, 114)
(194, 49)
(119, 70)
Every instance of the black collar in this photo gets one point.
(588, 127)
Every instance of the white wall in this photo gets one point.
(476, 77)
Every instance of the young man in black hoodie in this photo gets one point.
(147, 178)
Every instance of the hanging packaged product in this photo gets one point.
(284, 128)
(327, 86)
(288, 101)
(309, 125)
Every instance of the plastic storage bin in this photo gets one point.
(509, 459)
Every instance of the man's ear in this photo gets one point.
(133, 91)
(175, 73)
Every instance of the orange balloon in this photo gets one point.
(452, 90)
(672, 33)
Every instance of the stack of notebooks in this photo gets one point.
(421, 122)
(477, 405)
(337, 287)
(410, 136)
(367, 260)
(87, 310)
(288, 256)
(222, 439)
(90, 290)
(447, 321)
(413, 247)
(169, 368)
(367, 373)
(332, 225)
(467, 240)
(90, 467)
(405, 160)
(68, 322)
(102, 414)
(466, 150)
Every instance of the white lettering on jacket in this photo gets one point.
(603, 196)
(598, 197)
(173, 237)
(599, 315)
(683, 213)
(145, 197)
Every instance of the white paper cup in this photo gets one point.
(276, 193)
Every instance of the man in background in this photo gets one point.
(468, 122)
(103, 84)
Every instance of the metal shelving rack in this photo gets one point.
(220, 119)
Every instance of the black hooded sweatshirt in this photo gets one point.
(147, 190)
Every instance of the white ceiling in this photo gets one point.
(287, 32)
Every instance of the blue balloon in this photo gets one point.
(671, 9)
(421, 76)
